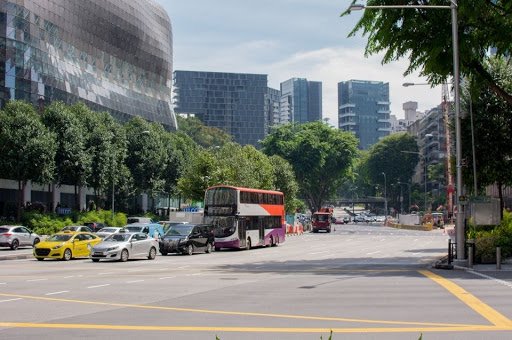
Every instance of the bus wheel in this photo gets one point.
(248, 244)
(271, 241)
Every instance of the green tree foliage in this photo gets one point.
(320, 155)
(424, 37)
(146, 155)
(205, 136)
(284, 181)
(73, 160)
(27, 147)
(492, 127)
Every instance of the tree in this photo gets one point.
(146, 155)
(492, 125)
(284, 181)
(27, 147)
(205, 136)
(73, 161)
(424, 37)
(320, 155)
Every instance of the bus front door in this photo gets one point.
(242, 232)
(261, 225)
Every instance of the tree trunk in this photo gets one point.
(500, 194)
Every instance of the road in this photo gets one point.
(359, 281)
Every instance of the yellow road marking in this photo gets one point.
(495, 317)
(255, 329)
(192, 310)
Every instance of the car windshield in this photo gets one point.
(321, 218)
(107, 230)
(179, 230)
(118, 238)
(134, 229)
(59, 238)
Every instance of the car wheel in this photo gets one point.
(190, 249)
(271, 241)
(329, 230)
(15, 244)
(152, 253)
(124, 256)
(95, 260)
(164, 253)
(248, 244)
(36, 241)
(217, 248)
(40, 258)
(67, 255)
(208, 248)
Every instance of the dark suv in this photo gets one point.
(187, 239)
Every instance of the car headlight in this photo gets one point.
(58, 246)
(112, 248)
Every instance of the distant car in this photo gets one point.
(187, 239)
(14, 236)
(107, 231)
(125, 245)
(346, 219)
(338, 220)
(154, 230)
(359, 218)
(137, 219)
(66, 245)
(76, 228)
(95, 226)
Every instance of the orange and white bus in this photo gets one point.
(244, 217)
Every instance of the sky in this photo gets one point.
(286, 39)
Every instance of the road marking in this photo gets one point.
(134, 281)
(254, 329)
(320, 252)
(55, 293)
(495, 317)
(3, 283)
(34, 280)
(98, 286)
(166, 277)
(107, 273)
(254, 314)
(195, 274)
(503, 282)
(182, 267)
(10, 300)
(67, 277)
(375, 252)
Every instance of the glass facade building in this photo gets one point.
(113, 55)
(363, 109)
(234, 102)
(301, 101)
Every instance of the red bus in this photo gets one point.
(244, 217)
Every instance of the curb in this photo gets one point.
(16, 257)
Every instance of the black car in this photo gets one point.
(187, 238)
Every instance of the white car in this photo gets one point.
(14, 236)
(107, 231)
(125, 245)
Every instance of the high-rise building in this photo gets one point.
(301, 101)
(272, 108)
(233, 102)
(363, 108)
(115, 56)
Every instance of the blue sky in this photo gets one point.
(285, 39)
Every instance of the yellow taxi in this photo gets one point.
(66, 245)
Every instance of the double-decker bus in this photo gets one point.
(244, 217)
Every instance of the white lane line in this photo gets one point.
(195, 274)
(34, 280)
(166, 277)
(503, 282)
(320, 252)
(67, 277)
(10, 300)
(55, 293)
(98, 286)
(163, 269)
(107, 273)
(375, 252)
(134, 281)
(3, 283)
(182, 267)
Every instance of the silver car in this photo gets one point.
(125, 245)
(15, 236)
(107, 231)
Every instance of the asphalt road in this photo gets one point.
(361, 282)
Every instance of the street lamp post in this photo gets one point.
(385, 195)
(459, 223)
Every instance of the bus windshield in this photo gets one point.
(223, 226)
(220, 196)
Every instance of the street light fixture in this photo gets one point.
(459, 226)
(385, 195)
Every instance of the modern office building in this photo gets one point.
(363, 109)
(301, 101)
(233, 102)
(115, 56)
(272, 108)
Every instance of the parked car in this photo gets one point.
(66, 245)
(107, 231)
(125, 245)
(167, 224)
(76, 228)
(154, 230)
(346, 219)
(187, 238)
(15, 236)
(137, 219)
(95, 226)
